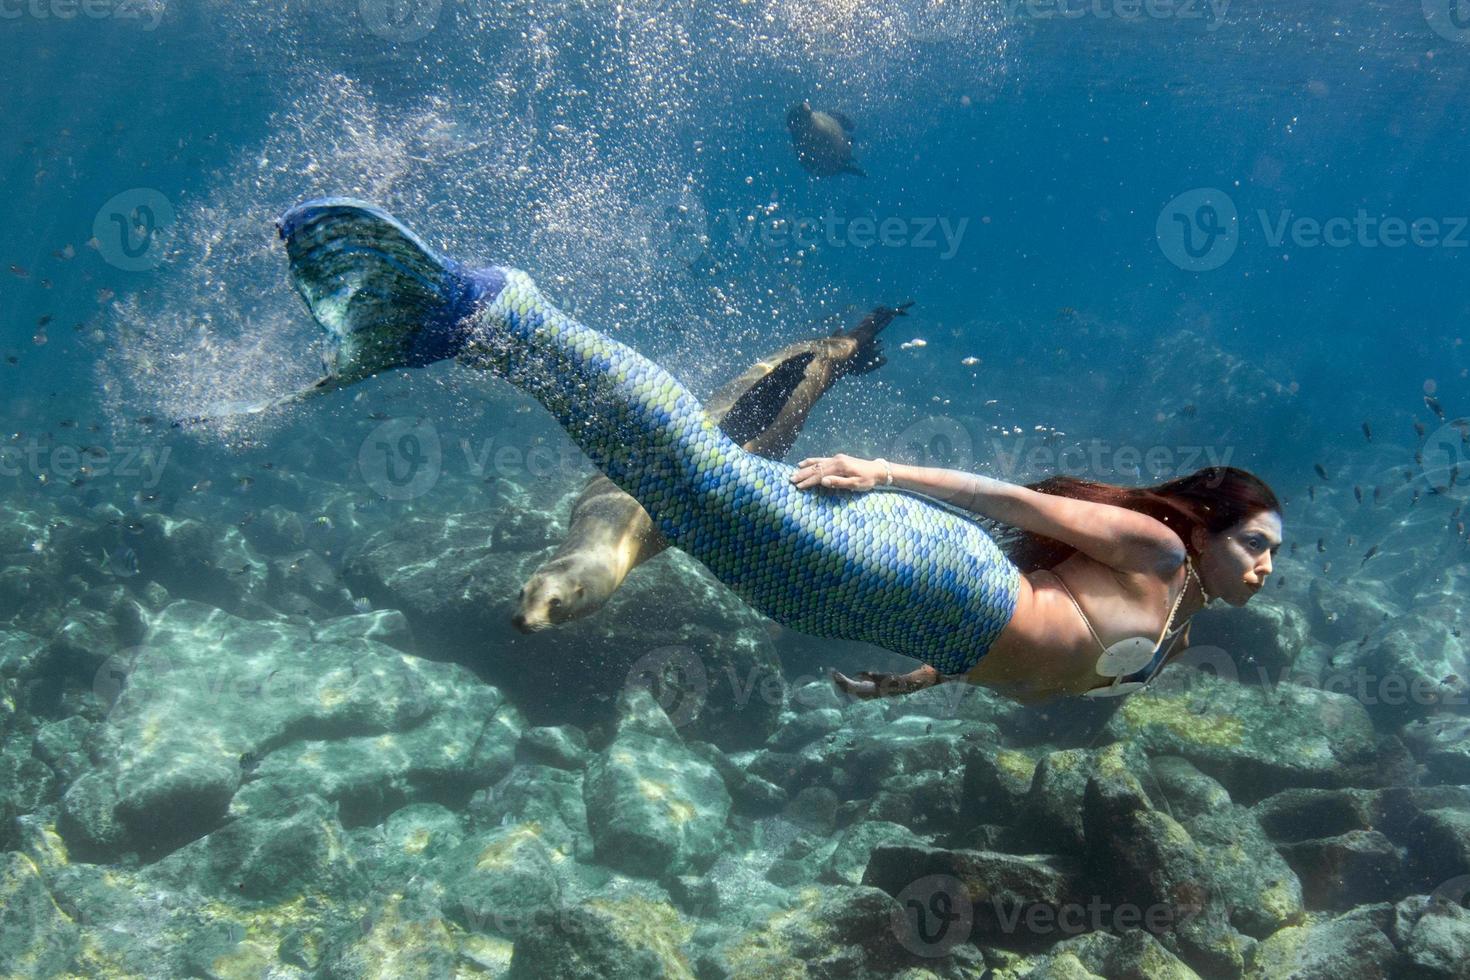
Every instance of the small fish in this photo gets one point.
(914, 344)
(146, 419)
(42, 321)
(267, 466)
(201, 486)
(1415, 498)
(1281, 582)
(362, 605)
(1321, 546)
(245, 521)
(1456, 512)
(65, 253)
(1434, 406)
(243, 569)
(1321, 471)
(39, 338)
(1293, 548)
(68, 423)
(120, 562)
(1311, 491)
(243, 483)
(1377, 494)
(1358, 492)
(1326, 567)
(324, 522)
(1367, 432)
(1188, 411)
(970, 361)
(1419, 429)
(19, 272)
(1454, 474)
(11, 359)
(1350, 540)
(1369, 554)
(1460, 528)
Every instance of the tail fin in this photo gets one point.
(869, 353)
(384, 298)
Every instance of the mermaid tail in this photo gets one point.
(887, 568)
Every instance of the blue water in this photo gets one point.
(634, 159)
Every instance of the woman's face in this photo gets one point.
(1234, 564)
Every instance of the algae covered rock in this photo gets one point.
(654, 806)
(1254, 740)
(37, 939)
(1351, 946)
(606, 939)
(211, 703)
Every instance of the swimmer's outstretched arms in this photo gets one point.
(1110, 575)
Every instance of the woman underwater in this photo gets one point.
(808, 546)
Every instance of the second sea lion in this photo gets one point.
(763, 410)
(823, 140)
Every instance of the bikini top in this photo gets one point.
(1134, 662)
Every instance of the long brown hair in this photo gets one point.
(1213, 498)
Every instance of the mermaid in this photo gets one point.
(838, 547)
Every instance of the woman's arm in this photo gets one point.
(1117, 537)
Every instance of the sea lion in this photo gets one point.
(823, 140)
(763, 410)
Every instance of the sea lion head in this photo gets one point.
(561, 590)
(798, 115)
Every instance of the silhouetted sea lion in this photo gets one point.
(823, 140)
(763, 410)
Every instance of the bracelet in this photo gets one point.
(887, 470)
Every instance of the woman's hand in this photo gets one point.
(840, 472)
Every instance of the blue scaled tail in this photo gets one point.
(888, 568)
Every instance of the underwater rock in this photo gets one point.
(210, 702)
(1438, 946)
(399, 937)
(276, 531)
(1439, 843)
(654, 806)
(37, 939)
(671, 627)
(1243, 871)
(1255, 740)
(1050, 814)
(563, 747)
(547, 798)
(997, 783)
(1337, 615)
(1351, 946)
(631, 939)
(266, 858)
(847, 860)
(1418, 667)
(1442, 743)
(1262, 640)
(1147, 861)
(504, 881)
(807, 726)
(1132, 955)
(397, 849)
(1347, 870)
(1015, 900)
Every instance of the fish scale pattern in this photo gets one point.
(883, 567)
